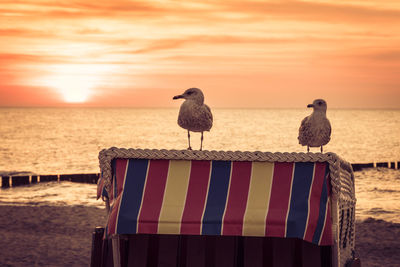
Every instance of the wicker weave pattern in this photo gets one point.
(107, 155)
(341, 175)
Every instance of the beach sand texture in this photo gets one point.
(47, 235)
(61, 236)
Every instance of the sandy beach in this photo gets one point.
(47, 235)
(378, 243)
(61, 236)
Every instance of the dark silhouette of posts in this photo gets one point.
(20, 180)
(34, 179)
(90, 178)
(48, 178)
(5, 181)
(97, 247)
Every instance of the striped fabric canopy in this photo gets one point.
(240, 198)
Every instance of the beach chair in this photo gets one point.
(217, 208)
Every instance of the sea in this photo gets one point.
(68, 140)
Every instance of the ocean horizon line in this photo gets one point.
(177, 107)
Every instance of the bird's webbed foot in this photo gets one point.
(189, 148)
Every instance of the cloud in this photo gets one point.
(80, 9)
(18, 95)
(24, 32)
(210, 12)
(90, 31)
(315, 11)
(389, 56)
(12, 59)
(164, 44)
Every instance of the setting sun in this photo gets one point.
(73, 89)
(75, 83)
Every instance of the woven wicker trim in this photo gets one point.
(335, 162)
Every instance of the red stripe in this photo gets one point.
(327, 238)
(195, 197)
(315, 197)
(279, 200)
(100, 187)
(120, 168)
(153, 196)
(237, 200)
(111, 192)
(112, 219)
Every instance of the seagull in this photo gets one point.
(194, 115)
(315, 129)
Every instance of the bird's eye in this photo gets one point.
(319, 103)
(190, 92)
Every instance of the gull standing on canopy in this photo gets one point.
(315, 129)
(194, 115)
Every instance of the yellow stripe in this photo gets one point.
(174, 197)
(258, 199)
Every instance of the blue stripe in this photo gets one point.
(104, 192)
(114, 179)
(298, 212)
(322, 208)
(216, 199)
(131, 202)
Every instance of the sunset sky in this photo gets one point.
(258, 54)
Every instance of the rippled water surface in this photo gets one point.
(378, 194)
(62, 140)
(67, 140)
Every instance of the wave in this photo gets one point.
(378, 190)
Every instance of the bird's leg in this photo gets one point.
(201, 143)
(321, 149)
(189, 148)
(308, 149)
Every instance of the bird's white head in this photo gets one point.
(194, 94)
(318, 105)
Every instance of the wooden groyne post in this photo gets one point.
(5, 181)
(389, 164)
(90, 178)
(12, 181)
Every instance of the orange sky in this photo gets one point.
(241, 53)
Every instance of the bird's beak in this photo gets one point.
(310, 105)
(177, 97)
